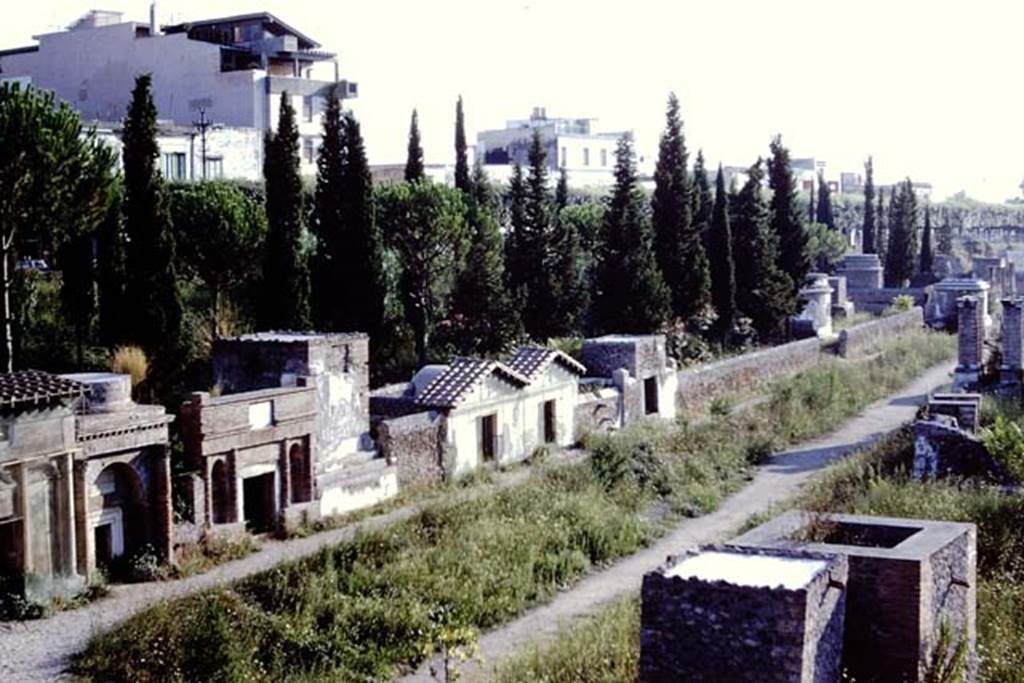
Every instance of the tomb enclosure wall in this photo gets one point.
(869, 336)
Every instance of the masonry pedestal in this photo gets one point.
(970, 335)
(1013, 342)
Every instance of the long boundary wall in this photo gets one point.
(870, 336)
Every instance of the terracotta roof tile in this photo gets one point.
(451, 386)
(531, 361)
(35, 387)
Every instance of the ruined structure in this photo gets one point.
(842, 307)
(722, 613)
(862, 271)
(84, 479)
(971, 337)
(941, 309)
(816, 317)
(1013, 344)
(649, 383)
(906, 578)
(998, 271)
(288, 440)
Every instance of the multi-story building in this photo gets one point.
(587, 156)
(231, 71)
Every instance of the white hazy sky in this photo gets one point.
(930, 88)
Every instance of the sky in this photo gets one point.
(930, 89)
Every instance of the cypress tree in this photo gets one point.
(723, 274)
(568, 267)
(485, 317)
(945, 243)
(630, 296)
(78, 289)
(677, 242)
(764, 293)
(561, 193)
(462, 179)
(882, 229)
(927, 257)
(285, 300)
(535, 245)
(414, 156)
(794, 259)
(110, 272)
(868, 243)
(811, 206)
(327, 223)
(703, 202)
(515, 268)
(151, 289)
(902, 254)
(824, 211)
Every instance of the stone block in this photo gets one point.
(966, 408)
(721, 613)
(906, 578)
(862, 271)
(1013, 341)
(970, 337)
(641, 355)
(942, 449)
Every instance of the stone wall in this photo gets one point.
(415, 444)
(870, 336)
(698, 386)
(877, 300)
(941, 450)
(712, 630)
(597, 413)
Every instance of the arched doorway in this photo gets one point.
(118, 516)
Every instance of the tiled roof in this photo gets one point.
(531, 361)
(35, 387)
(451, 386)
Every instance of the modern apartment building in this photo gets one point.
(231, 71)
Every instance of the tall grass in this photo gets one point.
(366, 609)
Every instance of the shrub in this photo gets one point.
(1004, 440)
(900, 304)
(130, 360)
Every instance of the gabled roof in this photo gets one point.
(35, 388)
(462, 376)
(531, 361)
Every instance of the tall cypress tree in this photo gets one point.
(764, 293)
(151, 289)
(945, 242)
(723, 273)
(414, 155)
(927, 261)
(703, 202)
(535, 244)
(631, 296)
(824, 212)
(567, 267)
(868, 242)
(811, 206)
(285, 300)
(515, 268)
(882, 227)
(327, 224)
(485, 317)
(561, 193)
(785, 215)
(902, 254)
(462, 179)
(110, 272)
(78, 289)
(677, 242)
(361, 260)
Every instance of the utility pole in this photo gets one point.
(202, 125)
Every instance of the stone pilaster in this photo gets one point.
(971, 336)
(163, 498)
(1013, 341)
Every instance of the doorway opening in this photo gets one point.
(258, 503)
(651, 396)
(550, 428)
(489, 437)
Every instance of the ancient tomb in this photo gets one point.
(906, 578)
(721, 613)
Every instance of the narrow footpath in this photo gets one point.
(775, 482)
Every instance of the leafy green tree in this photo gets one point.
(424, 223)
(764, 293)
(825, 247)
(284, 303)
(151, 289)
(569, 266)
(677, 241)
(78, 289)
(56, 177)
(723, 274)
(327, 219)
(824, 209)
(462, 179)
(414, 156)
(868, 242)
(515, 267)
(811, 206)
(902, 254)
(110, 271)
(485, 317)
(703, 203)
(786, 221)
(630, 294)
(927, 262)
(221, 232)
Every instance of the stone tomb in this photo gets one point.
(1013, 342)
(862, 271)
(651, 384)
(941, 309)
(816, 317)
(721, 613)
(906, 577)
(842, 307)
(970, 342)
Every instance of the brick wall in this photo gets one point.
(415, 443)
(971, 333)
(1013, 340)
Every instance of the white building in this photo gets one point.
(232, 69)
(500, 412)
(588, 157)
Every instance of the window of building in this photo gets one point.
(214, 168)
(565, 158)
(307, 109)
(174, 166)
(604, 157)
(309, 150)
(261, 415)
(586, 156)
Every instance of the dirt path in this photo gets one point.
(774, 482)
